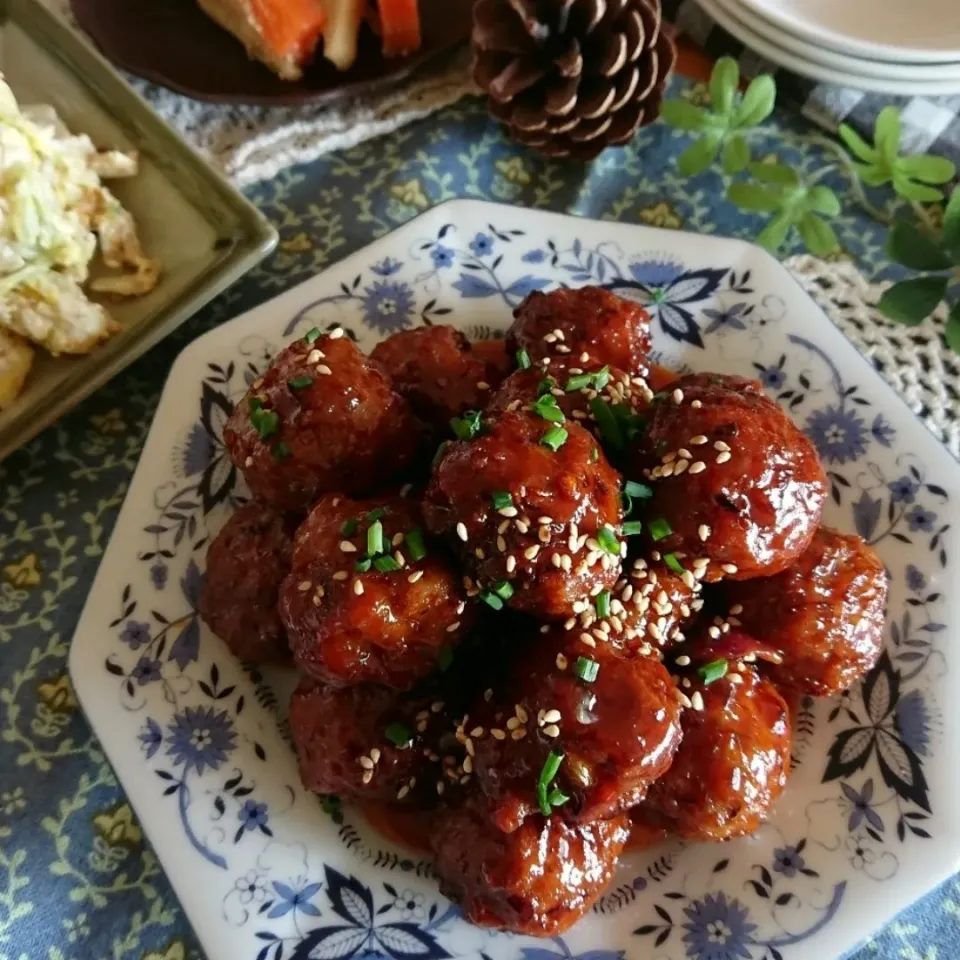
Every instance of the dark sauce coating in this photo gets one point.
(340, 426)
(617, 733)
(824, 614)
(348, 626)
(749, 496)
(593, 321)
(246, 563)
(439, 373)
(342, 747)
(538, 880)
(732, 764)
(574, 487)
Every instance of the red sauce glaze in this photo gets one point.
(572, 485)
(344, 430)
(408, 827)
(824, 614)
(754, 485)
(610, 330)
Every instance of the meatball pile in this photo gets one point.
(530, 588)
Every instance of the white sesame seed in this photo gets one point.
(502, 527)
(677, 395)
(397, 540)
(248, 462)
(588, 640)
(358, 587)
(531, 552)
(696, 700)
(366, 763)
(736, 609)
(488, 694)
(347, 547)
(402, 792)
(684, 454)
(698, 440)
(508, 511)
(668, 457)
(324, 370)
(551, 730)
(680, 467)
(521, 526)
(304, 586)
(723, 457)
(367, 776)
(462, 531)
(468, 764)
(415, 576)
(704, 532)
(682, 697)
(436, 706)
(667, 470)
(556, 560)
(453, 627)
(511, 564)
(498, 734)
(714, 632)
(336, 333)
(477, 732)
(501, 544)
(375, 754)
(513, 723)
(558, 333)
(696, 404)
(341, 575)
(698, 466)
(315, 356)
(552, 716)
(561, 662)
(730, 568)
(721, 446)
(584, 357)
(683, 661)
(519, 733)
(688, 579)
(483, 385)
(685, 683)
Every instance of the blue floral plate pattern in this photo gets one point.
(869, 821)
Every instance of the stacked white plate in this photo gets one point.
(902, 47)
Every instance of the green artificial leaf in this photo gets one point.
(817, 235)
(752, 196)
(909, 245)
(857, 145)
(774, 173)
(952, 331)
(911, 301)
(683, 115)
(757, 103)
(918, 192)
(724, 82)
(951, 225)
(886, 135)
(700, 154)
(775, 232)
(927, 168)
(736, 154)
(872, 176)
(823, 200)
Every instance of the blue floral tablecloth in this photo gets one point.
(77, 880)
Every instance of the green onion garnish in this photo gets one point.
(548, 772)
(331, 804)
(631, 528)
(441, 450)
(557, 797)
(545, 386)
(546, 407)
(594, 454)
(468, 426)
(659, 528)
(399, 734)
(375, 538)
(670, 559)
(554, 438)
(523, 360)
(265, 422)
(280, 451)
(491, 599)
(587, 669)
(362, 566)
(502, 499)
(608, 541)
(299, 383)
(254, 403)
(312, 336)
(504, 590)
(445, 660)
(415, 545)
(597, 380)
(603, 604)
(638, 490)
(375, 514)
(713, 671)
(349, 527)
(601, 378)
(385, 564)
(608, 424)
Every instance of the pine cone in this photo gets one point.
(571, 77)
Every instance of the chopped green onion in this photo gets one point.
(608, 424)
(713, 671)
(557, 797)
(639, 490)
(281, 451)
(630, 423)
(554, 438)
(254, 403)
(659, 528)
(299, 383)
(631, 528)
(608, 541)
(523, 360)
(502, 499)
(312, 336)
(578, 382)
(376, 513)
(375, 538)
(587, 669)
(491, 599)
(504, 590)
(594, 454)
(331, 804)
(362, 566)
(548, 772)
(546, 407)
(603, 604)
(445, 660)
(468, 426)
(265, 422)
(441, 450)
(385, 564)
(349, 527)
(399, 734)
(415, 545)
(601, 378)
(670, 559)
(545, 386)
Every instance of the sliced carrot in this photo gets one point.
(399, 26)
(289, 27)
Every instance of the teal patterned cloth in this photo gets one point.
(77, 879)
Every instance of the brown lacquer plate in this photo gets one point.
(173, 43)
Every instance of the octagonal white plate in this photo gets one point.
(869, 821)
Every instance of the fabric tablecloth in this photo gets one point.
(77, 879)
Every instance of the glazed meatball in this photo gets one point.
(738, 489)
(322, 418)
(343, 746)
(616, 728)
(538, 880)
(438, 372)
(732, 764)
(246, 563)
(825, 614)
(368, 599)
(590, 325)
(536, 522)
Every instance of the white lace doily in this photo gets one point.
(249, 143)
(913, 360)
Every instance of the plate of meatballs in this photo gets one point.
(528, 587)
